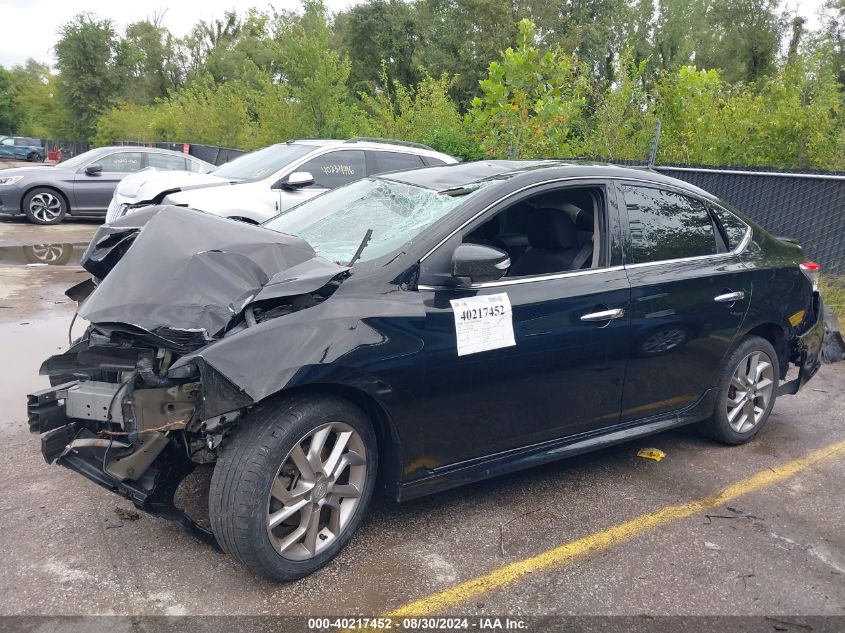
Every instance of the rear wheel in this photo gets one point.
(44, 206)
(292, 485)
(747, 392)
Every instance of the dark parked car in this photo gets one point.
(82, 186)
(22, 148)
(419, 330)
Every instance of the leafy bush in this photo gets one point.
(531, 103)
(423, 113)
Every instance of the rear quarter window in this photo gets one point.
(733, 227)
(395, 161)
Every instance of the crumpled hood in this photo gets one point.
(147, 184)
(182, 275)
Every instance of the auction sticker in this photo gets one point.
(483, 323)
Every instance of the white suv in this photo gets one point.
(256, 186)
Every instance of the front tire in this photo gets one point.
(292, 485)
(44, 206)
(747, 393)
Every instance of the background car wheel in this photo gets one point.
(50, 254)
(747, 392)
(292, 484)
(44, 206)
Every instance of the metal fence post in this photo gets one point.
(655, 141)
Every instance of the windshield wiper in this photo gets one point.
(361, 247)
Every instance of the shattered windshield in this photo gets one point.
(335, 223)
(262, 163)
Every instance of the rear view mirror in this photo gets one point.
(94, 170)
(479, 263)
(298, 180)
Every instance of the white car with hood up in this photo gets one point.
(259, 185)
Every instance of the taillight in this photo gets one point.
(812, 270)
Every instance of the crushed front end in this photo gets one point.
(116, 417)
(134, 406)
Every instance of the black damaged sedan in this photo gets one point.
(414, 332)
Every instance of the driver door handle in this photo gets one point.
(604, 315)
(730, 297)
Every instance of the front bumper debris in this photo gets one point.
(806, 351)
(147, 473)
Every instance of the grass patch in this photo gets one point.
(832, 288)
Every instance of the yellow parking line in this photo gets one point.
(439, 603)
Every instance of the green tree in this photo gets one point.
(677, 29)
(831, 37)
(532, 102)
(38, 111)
(88, 81)
(376, 31)
(462, 37)
(623, 123)
(9, 113)
(596, 31)
(741, 39)
(423, 113)
(315, 75)
(147, 63)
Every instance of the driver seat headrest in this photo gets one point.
(550, 229)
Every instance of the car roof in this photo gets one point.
(388, 145)
(112, 149)
(446, 177)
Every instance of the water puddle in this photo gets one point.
(65, 254)
(25, 344)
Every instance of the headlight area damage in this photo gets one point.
(167, 281)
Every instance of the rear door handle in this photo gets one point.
(604, 315)
(730, 297)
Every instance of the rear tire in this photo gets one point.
(747, 393)
(284, 499)
(43, 205)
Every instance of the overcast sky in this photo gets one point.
(29, 27)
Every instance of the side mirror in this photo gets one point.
(479, 263)
(94, 170)
(298, 180)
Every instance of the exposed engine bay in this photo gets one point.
(134, 404)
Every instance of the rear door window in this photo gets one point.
(667, 225)
(336, 168)
(395, 161)
(166, 162)
(197, 166)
